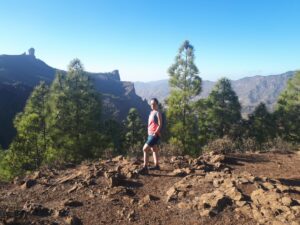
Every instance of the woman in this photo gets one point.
(154, 126)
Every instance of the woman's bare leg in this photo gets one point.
(146, 157)
(155, 155)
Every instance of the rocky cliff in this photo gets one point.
(19, 74)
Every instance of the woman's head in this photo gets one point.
(154, 103)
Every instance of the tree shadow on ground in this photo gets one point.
(174, 176)
(280, 152)
(160, 175)
(131, 184)
(290, 182)
(239, 160)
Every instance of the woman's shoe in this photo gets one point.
(143, 171)
(157, 167)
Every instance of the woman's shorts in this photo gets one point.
(152, 140)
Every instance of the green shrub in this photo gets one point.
(166, 149)
(7, 170)
(279, 145)
(221, 145)
(248, 145)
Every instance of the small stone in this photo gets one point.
(73, 203)
(207, 212)
(268, 185)
(257, 195)
(217, 182)
(277, 222)
(60, 213)
(118, 158)
(245, 210)
(131, 215)
(240, 203)
(257, 215)
(73, 220)
(10, 221)
(234, 194)
(216, 201)
(226, 170)
(147, 199)
(188, 170)
(217, 158)
(114, 179)
(287, 201)
(28, 184)
(36, 175)
(72, 189)
(179, 173)
(243, 180)
(184, 205)
(267, 212)
(282, 188)
(129, 199)
(36, 209)
(172, 194)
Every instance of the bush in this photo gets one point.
(222, 145)
(108, 153)
(279, 145)
(7, 170)
(166, 149)
(276, 144)
(135, 151)
(248, 145)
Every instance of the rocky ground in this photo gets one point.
(212, 189)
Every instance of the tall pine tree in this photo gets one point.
(75, 116)
(32, 139)
(185, 84)
(288, 110)
(222, 111)
(260, 124)
(135, 130)
(114, 136)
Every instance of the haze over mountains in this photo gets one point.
(250, 90)
(19, 74)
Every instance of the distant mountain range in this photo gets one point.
(19, 74)
(250, 90)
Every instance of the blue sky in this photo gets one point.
(232, 38)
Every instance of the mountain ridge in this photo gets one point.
(21, 73)
(251, 90)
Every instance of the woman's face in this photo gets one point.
(153, 104)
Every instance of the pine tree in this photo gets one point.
(203, 121)
(114, 136)
(260, 124)
(75, 116)
(32, 138)
(6, 169)
(185, 84)
(288, 110)
(222, 111)
(135, 129)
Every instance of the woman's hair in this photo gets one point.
(155, 100)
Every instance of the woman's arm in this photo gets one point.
(159, 123)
